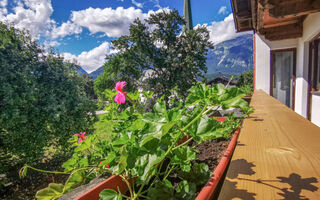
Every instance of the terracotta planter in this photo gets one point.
(115, 182)
(247, 98)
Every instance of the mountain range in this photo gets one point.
(231, 57)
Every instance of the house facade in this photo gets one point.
(286, 50)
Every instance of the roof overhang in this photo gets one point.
(275, 19)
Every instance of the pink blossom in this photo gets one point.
(120, 96)
(81, 136)
(120, 85)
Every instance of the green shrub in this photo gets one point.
(245, 82)
(42, 99)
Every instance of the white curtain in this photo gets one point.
(282, 78)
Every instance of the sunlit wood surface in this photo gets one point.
(277, 155)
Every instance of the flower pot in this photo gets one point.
(115, 182)
(208, 190)
(247, 98)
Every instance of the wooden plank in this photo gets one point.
(277, 156)
(290, 8)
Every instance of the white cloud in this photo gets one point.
(32, 15)
(139, 5)
(65, 29)
(223, 30)
(93, 59)
(112, 22)
(223, 10)
(49, 44)
(3, 3)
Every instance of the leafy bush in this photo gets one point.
(156, 57)
(245, 82)
(145, 145)
(42, 99)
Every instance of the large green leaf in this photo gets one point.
(76, 179)
(52, 192)
(108, 194)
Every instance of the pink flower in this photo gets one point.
(120, 96)
(81, 136)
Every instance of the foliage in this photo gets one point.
(88, 85)
(245, 82)
(145, 145)
(42, 99)
(156, 58)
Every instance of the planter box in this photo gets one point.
(114, 182)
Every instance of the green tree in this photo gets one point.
(155, 57)
(42, 99)
(245, 82)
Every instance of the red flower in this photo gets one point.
(81, 136)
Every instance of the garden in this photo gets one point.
(162, 135)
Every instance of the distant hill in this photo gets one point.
(82, 71)
(231, 57)
(96, 73)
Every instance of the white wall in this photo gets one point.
(311, 28)
(262, 70)
(315, 111)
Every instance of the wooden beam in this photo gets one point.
(260, 17)
(254, 14)
(295, 21)
(289, 8)
(284, 32)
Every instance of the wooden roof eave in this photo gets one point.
(241, 16)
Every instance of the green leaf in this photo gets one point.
(186, 190)
(149, 162)
(122, 161)
(166, 128)
(54, 191)
(153, 117)
(121, 141)
(198, 175)
(111, 156)
(183, 157)
(108, 194)
(137, 125)
(162, 191)
(70, 164)
(75, 179)
(58, 188)
(148, 94)
(23, 171)
(160, 107)
(84, 162)
(84, 145)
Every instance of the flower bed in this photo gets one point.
(145, 147)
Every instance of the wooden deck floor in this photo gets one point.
(277, 155)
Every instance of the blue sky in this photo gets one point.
(82, 30)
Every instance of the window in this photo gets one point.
(315, 66)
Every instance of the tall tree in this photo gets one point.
(42, 99)
(157, 57)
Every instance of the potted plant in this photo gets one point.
(144, 154)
